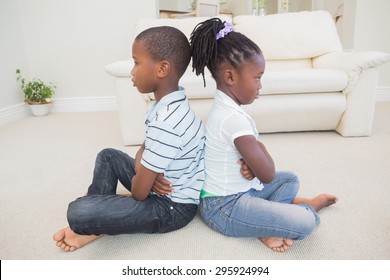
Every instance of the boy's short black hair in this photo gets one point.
(167, 43)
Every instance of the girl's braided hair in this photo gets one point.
(208, 51)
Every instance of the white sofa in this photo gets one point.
(310, 83)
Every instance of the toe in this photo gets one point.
(59, 235)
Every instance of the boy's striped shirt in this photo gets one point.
(174, 146)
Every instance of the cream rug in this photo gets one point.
(46, 162)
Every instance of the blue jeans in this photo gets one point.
(102, 211)
(264, 213)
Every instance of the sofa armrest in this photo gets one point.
(120, 69)
(353, 63)
(131, 104)
(362, 71)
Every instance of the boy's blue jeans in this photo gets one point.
(264, 213)
(102, 211)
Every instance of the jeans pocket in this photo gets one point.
(213, 213)
(176, 216)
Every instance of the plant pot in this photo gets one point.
(40, 109)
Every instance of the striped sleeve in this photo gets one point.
(161, 146)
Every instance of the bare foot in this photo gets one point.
(318, 202)
(278, 244)
(68, 240)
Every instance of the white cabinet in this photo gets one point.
(263, 7)
(176, 5)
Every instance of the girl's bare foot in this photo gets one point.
(278, 244)
(318, 202)
(68, 240)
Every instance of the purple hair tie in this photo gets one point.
(224, 31)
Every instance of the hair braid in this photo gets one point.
(207, 51)
(204, 46)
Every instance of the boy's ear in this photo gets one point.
(164, 68)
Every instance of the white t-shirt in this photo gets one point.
(226, 122)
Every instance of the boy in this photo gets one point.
(172, 152)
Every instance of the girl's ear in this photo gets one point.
(163, 69)
(229, 77)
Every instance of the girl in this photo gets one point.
(254, 201)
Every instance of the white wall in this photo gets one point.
(12, 52)
(67, 42)
(372, 23)
(365, 27)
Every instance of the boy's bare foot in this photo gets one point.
(68, 240)
(318, 202)
(278, 244)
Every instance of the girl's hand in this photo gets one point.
(161, 185)
(246, 172)
(256, 156)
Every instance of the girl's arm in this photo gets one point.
(256, 157)
(245, 171)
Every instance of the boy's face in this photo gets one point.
(144, 72)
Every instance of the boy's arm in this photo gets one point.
(138, 156)
(142, 182)
(145, 180)
(256, 157)
(161, 185)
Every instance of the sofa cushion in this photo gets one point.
(303, 81)
(278, 38)
(299, 81)
(297, 112)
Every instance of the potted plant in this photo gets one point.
(37, 94)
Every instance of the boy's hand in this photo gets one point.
(245, 170)
(162, 186)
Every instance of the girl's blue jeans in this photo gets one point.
(264, 213)
(102, 211)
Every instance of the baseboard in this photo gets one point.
(106, 103)
(14, 113)
(383, 94)
(84, 104)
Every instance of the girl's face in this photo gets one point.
(143, 74)
(249, 80)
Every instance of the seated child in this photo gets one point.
(254, 201)
(172, 152)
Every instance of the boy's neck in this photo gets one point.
(161, 92)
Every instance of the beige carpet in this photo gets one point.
(46, 162)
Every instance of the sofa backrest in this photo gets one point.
(298, 35)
